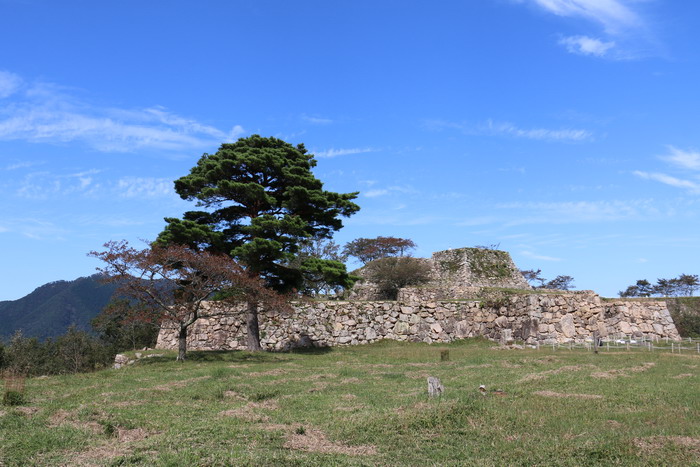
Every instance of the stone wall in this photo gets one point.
(454, 275)
(544, 318)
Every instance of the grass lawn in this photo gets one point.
(366, 405)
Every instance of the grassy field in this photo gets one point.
(366, 405)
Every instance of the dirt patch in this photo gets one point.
(556, 371)
(275, 372)
(304, 438)
(567, 395)
(93, 456)
(613, 423)
(234, 395)
(66, 418)
(348, 397)
(350, 381)
(250, 411)
(313, 440)
(510, 365)
(128, 436)
(623, 372)
(684, 375)
(654, 443)
(28, 411)
(319, 386)
(177, 384)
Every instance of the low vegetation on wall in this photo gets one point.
(686, 314)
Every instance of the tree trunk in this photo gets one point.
(182, 344)
(253, 327)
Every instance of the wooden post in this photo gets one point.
(595, 341)
(445, 355)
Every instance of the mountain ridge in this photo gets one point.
(50, 309)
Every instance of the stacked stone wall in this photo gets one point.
(543, 318)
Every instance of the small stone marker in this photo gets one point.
(507, 337)
(435, 387)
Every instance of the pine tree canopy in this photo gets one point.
(259, 201)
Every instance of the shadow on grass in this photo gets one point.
(312, 350)
(234, 356)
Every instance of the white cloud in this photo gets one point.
(687, 161)
(684, 159)
(388, 190)
(577, 211)
(316, 120)
(44, 113)
(145, 187)
(693, 187)
(495, 128)
(375, 193)
(9, 83)
(342, 152)
(532, 255)
(585, 45)
(508, 129)
(43, 185)
(614, 15)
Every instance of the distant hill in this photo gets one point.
(52, 308)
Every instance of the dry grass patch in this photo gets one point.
(623, 372)
(27, 411)
(567, 395)
(556, 371)
(250, 411)
(128, 436)
(309, 439)
(684, 375)
(275, 372)
(177, 384)
(653, 443)
(313, 440)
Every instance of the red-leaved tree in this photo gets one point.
(172, 283)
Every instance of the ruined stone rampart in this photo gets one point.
(532, 317)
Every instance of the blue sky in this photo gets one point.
(564, 130)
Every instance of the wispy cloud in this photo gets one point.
(43, 185)
(567, 212)
(687, 161)
(374, 193)
(145, 187)
(342, 152)
(618, 19)
(693, 187)
(494, 128)
(614, 15)
(9, 83)
(34, 228)
(45, 113)
(21, 165)
(585, 45)
(532, 255)
(316, 120)
(684, 159)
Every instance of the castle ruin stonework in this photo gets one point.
(471, 293)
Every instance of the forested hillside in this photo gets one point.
(52, 308)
